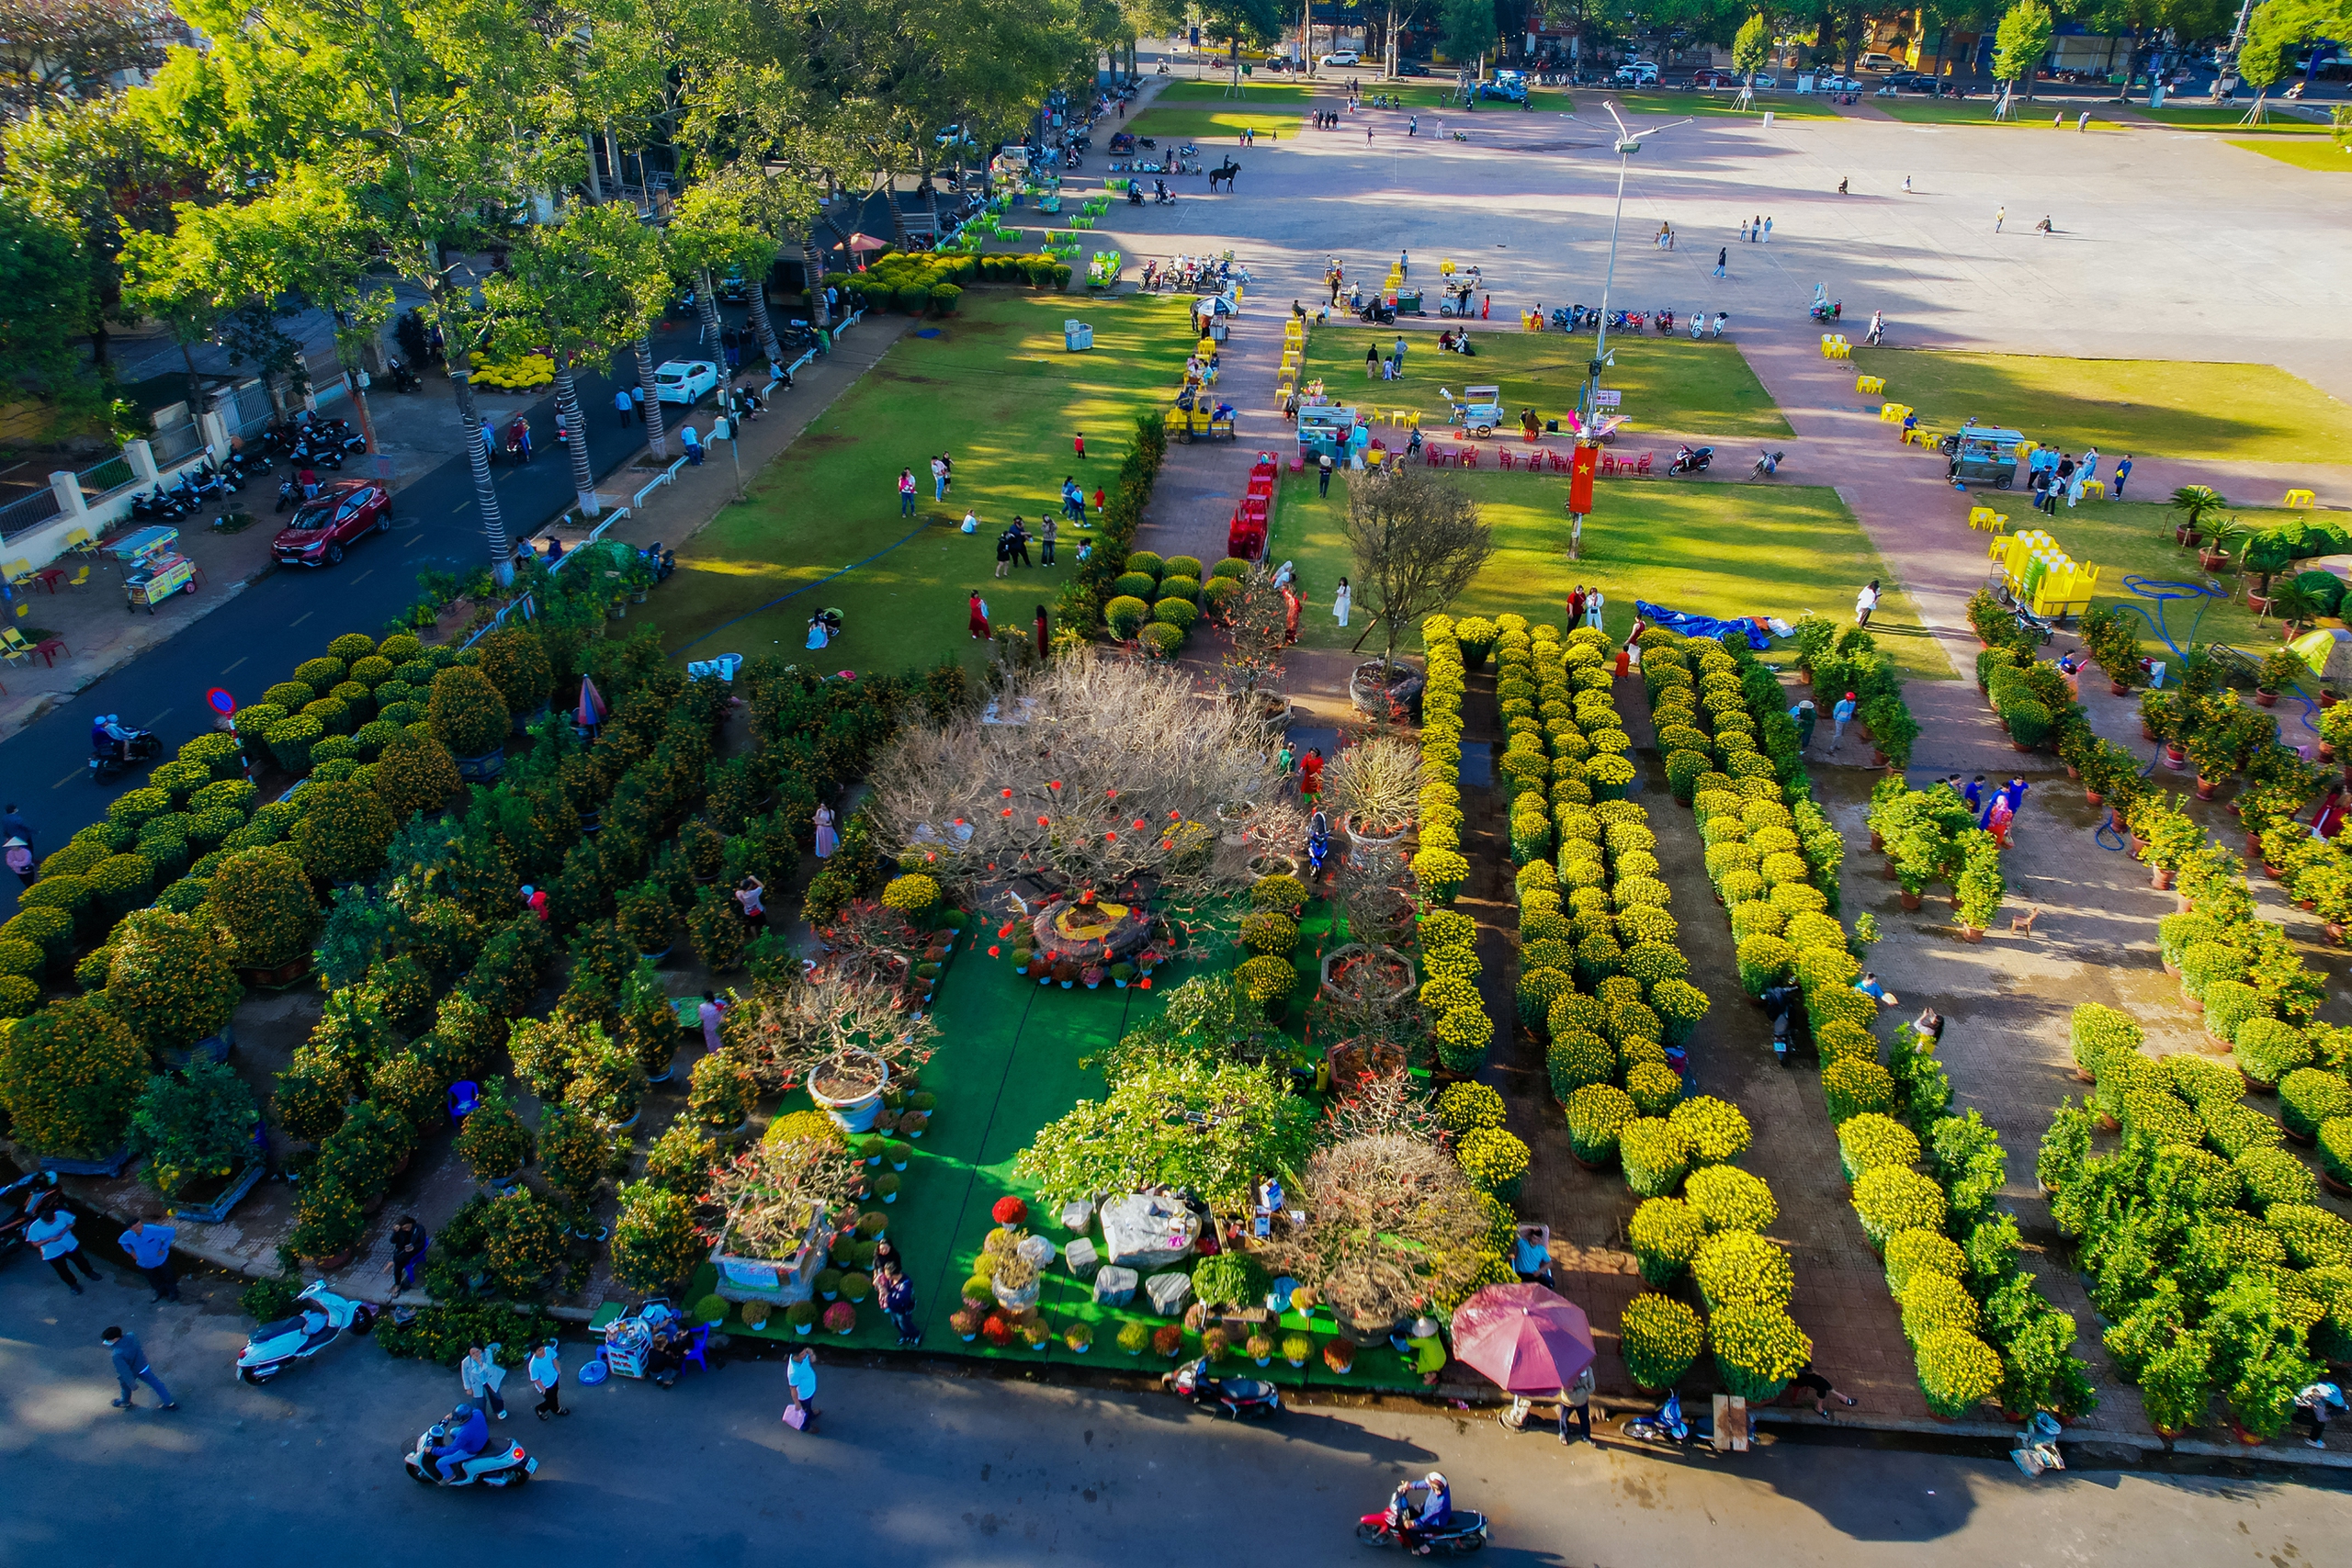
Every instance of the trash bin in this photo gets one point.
(1077, 335)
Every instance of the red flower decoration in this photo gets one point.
(1111, 795)
(1006, 929)
(1041, 822)
(1144, 982)
(1140, 824)
(1176, 816)
(991, 950)
(1167, 844)
(1009, 1210)
(1053, 783)
(1008, 811)
(1110, 838)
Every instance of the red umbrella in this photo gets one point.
(592, 710)
(1523, 1337)
(862, 242)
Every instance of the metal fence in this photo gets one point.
(174, 441)
(106, 477)
(250, 409)
(22, 516)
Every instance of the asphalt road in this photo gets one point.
(290, 614)
(946, 1468)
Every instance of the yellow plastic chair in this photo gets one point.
(1373, 456)
(13, 645)
(1412, 419)
(19, 572)
(79, 577)
(1980, 517)
(79, 543)
(1999, 526)
(1870, 386)
(2300, 498)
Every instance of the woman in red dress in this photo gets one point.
(980, 619)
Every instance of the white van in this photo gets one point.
(1878, 60)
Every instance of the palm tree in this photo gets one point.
(2296, 606)
(2193, 501)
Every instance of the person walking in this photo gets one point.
(800, 1371)
(637, 402)
(1020, 542)
(14, 825)
(1048, 527)
(905, 492)
(897, 1298)
(1906, 185)
(752, 894)
(1576, 1405)
(977, 618)
(151, 1251)
(708, 1013)
(938, 479)
(1003, 561)
(1078, 444)
(1743, 231)
(1045, 623)
(544, 1370)
(1865, 602)
(1840, 716)
(130, 1369)
(1767, 231)
(2311, 1405)
(1340, 604)
(60, 1247)
(1404, 264)
(1323, 466)
(1822, 1390)
(2000, 216)
(2123, 472)
(1804, 715)
(1723, 260)
(481, 1374)
(1594, 602)
(19, 855)
(826, 840)
(623, 406)
(409, 1241)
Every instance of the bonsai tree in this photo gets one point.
(766, 1201)
(344, 831)
(655, 1244)
(2194, 503)
(70, 1076)
(516, 661)
(1980, 886)
(720, 1092)
(1392, 1227)
(2282, 670)
(1248, 1124)
(363, 1153)
(493, 1142)
(193, 1126)
(848, 1036)
(170, 982)
(523, 1241)
(1375, 784)
(415, 773)
(260, 907)
(2296, 606)
(467, 712)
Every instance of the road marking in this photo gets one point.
(155, 721)
(299, 619)
(71, 777)
(461, 506)
(415, 539)
(363, 577)
(225, 673)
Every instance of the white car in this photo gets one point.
(1877, 60)
(1762, 81)
(1345, 57)
(685, 381)
(1835, 83)
(1637, 74)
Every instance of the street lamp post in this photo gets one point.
(1628, 143)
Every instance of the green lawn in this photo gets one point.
(2225, 117)
(1200, 111)
(1711, 548)
(2133, 538)
(1670, 383)
(1978, 111)
(1676, 106)
(996, 391)
(2327, 157)
(2177, 408)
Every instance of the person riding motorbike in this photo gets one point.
(1878, 328)
(519, 438)
(1436, 1513)
(469, 1435)
(110, 730)
(1779, 1000)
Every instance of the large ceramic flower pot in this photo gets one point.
(856, 1115)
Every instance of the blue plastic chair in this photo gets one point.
(464, 1096)
(694, 1354)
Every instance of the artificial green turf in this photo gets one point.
(2133, 538)
(1979, 111)
(995, 391)
(1701, 546)
(2223, 117)
(2327, 157)
(2174, 408)
(1008, 1065)
(1202, 111)
(1670, 383)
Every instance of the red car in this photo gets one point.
(341, 514)
(1708, 77)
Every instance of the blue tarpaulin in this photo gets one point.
(1702, 626)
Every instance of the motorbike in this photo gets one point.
(17, 1201)
(498, 1464)
(1826, 312)
(1464, 1533)
(1161, 196)
(403, 378)
(1768, 465)
(1665, 323)
(1134, 193)
(661, 562)
(244, 463)
(1779, 1006)
(1720, 321)
(274, 1346)
(1668, 1425)
(106, 761)
(1693, 461)
(156, 507)
(185, 493)
(1241, 1398)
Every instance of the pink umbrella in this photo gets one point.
(1523, 1337)
(592, 710)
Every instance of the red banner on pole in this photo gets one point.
(1588, 460)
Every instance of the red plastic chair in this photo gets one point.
(1608, 464)
(1429, 457)
(1469, 456)
(1644, 467)
(1504, 458)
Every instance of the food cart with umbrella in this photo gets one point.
(155, 571)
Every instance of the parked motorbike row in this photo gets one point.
(1584, 318)
(198, 487)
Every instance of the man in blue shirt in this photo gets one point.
(130, 1369)
(1869, 986)
(2123, 472)
(468, 1437)
(1839, 715)
(150, 1249)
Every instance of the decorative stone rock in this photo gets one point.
(1114, 1287)
(1078, 1216)
(1169, 1292)
(1148, 1233)
(1083, 1258)
(1037, 1250)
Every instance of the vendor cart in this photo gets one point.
(1327, 431)
(1983, 457)
(1478, 409)
(156, 571)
